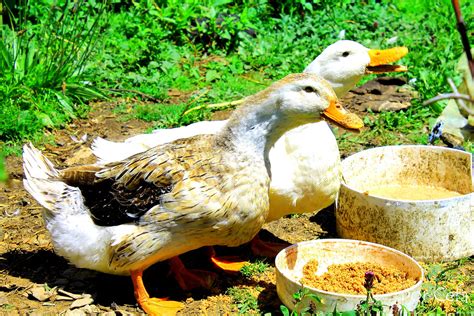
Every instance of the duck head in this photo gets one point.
(345, 62)
(311, 94)
(304, 97)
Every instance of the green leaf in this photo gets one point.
(308, 6)
(314, 297)
(84, 92)
(45, 119)
(346, 313)
(218, 3)
(284, 310)
(3, 171)
(65, 103)
(212, 75)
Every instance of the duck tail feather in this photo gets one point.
(44, 184)
(35, 165)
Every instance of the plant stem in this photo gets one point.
(461, 26)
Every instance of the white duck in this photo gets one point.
(122, 217)
(342, 64)
(305, 169)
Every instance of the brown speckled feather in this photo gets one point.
(200, 192)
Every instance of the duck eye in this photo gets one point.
(309, 89)
(345, 54)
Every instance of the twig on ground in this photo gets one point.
(448, 96)
(187, 110)
(460, 102)
(215, 105)
(460, 98)
(461, 26)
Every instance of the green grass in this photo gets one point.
(254, 268)
(447, 288)
(285, 42)
(244, 300)
(3, 172)
(230, 50)
(301, 298)
(42, 62)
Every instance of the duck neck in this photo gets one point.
(253, 129)
(342, 87)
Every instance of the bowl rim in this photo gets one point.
(416, 286)
(432, 148)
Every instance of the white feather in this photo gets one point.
(109, 151)
(74, 235)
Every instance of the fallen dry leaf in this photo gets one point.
(42, 294)
(86, 310)
(81, 156)
(82, 302)
(64, 298)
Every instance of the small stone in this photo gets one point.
(114, 306)
(90, 310)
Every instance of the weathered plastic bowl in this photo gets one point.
(428, 230)
(290, 261)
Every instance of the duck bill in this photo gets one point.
(338, 114)
(380, 59)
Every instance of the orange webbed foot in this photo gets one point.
(160, 307)
(189, 279)
(151, 305)
(230, 264)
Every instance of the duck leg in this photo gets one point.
(151, 305)
(268, 249)
(258, 247)
(227, 263)
(190, 278)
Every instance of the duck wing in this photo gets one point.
(122, 192)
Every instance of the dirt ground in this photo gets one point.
(33, 280)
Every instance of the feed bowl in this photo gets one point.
(437, 228)
(290, 261)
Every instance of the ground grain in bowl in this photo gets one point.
(348, 278)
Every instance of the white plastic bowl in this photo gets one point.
(290, 261)
(428, 230)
